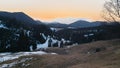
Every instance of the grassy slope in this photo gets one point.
(101, 54)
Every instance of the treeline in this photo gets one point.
(16, 36)
(85, 35)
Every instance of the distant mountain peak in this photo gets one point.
(84, 24)
(81, 21)
(19, 16)
(68, 20)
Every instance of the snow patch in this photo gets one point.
(72, 27)
(53, 29)
(53, 41)
(8, 46)
(44, 36)
(31, 48)
(28, 33)
(54, 53)
(45, 45)
(16, 62)
(11, 56)
(85, 35)
(2, 26)
(91, 34)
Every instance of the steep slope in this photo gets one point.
(19, 16)
(23, 20)
(19, 32)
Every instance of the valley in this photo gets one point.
(27, 43)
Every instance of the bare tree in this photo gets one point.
(111, 11)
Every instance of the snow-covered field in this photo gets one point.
(11, 56)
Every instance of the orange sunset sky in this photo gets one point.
(51, 9)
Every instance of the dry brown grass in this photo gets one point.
(82, 56)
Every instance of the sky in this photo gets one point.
(48, 10)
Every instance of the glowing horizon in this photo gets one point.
(52, 9)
